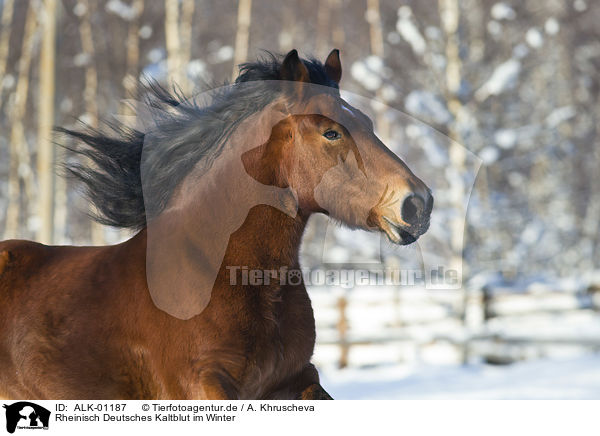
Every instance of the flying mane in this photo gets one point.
(184, 134)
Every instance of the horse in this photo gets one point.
(212, 192)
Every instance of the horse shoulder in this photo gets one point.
(4, 259)
(27, 264)
(16, 253)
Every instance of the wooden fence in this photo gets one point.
(367, 326)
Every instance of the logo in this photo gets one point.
(25, 415)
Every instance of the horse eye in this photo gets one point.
(331, 135)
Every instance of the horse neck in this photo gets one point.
(230, 220)
(228, 217)
(268, 239)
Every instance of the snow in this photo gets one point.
(364, 75)
(559, 115)
(222, 54)
(388, 93)
(66, 105)
(81, 59)
(424, 104)
(520, 51)
(145, 32)
(574, 378)
(374, 63)
(371, 16)
(126, 12)
(197, 69)
(501, 79)
(505, 138)
(534, 38)
(433, 32)
(494, 27)
(437, 155)
(8, 81)
(156, 55)
(285, 39)
(580, 5)
(541, 317)
(551, 26)
(394, 38)
(155, 70)
(80, 9)
(502, 11)
(532, 233)
(409, 31)
(489, 155)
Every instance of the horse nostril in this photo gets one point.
(412, 209)
(429, 204)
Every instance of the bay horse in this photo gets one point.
(212, 191)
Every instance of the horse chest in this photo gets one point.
(281, 346)
(255, 353)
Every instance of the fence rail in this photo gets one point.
(496, 325)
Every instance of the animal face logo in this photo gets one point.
(25, 415)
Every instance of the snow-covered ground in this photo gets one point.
(575, 378)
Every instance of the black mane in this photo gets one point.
(184, 135)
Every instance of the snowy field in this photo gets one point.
(575, 378)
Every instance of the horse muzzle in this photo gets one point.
(414, 218)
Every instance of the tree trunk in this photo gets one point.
(17, 136)
(90, 95)
(450, 16)
(338, 36)
(373, 17)
(323, 27)
(5, 27)
(172, 41)
(242, 35)
(187, 18)
(45, 162)
(286, 36)
(449, 12)
(130, 81)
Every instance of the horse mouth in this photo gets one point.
(398, 234)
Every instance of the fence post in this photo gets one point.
(343, 331)
(487, 303)
(465, 323)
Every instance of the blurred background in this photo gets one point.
(494, 104)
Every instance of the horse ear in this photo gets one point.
(333, 66)
(293, 69)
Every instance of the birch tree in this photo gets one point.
(5, 28)
(449, 14)
(187, 19)
(19, 154)
(338, 35)
(172, 41)
(90, 95)
(130, 81)
(286, 37)
(242, 35)
(373, 17)
(330, 32)
(45, 156)
(323, 28)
